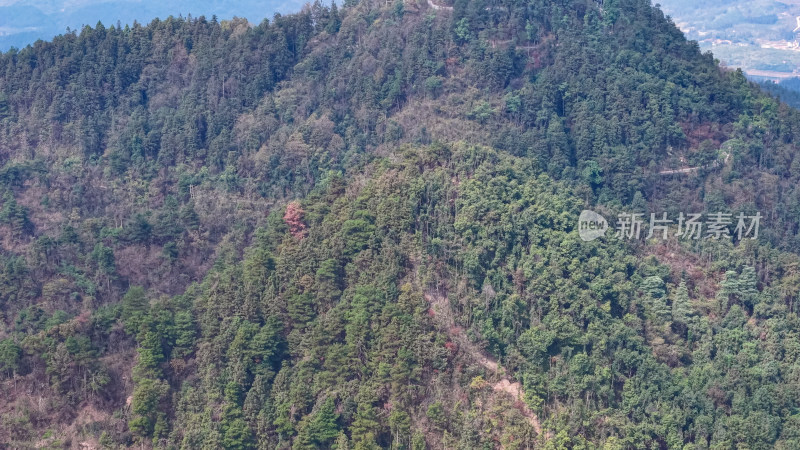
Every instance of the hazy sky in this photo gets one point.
(24, 21)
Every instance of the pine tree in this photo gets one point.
(4, 110)
(364, 427)
(728, 288)
(681, 308)
(189, 217)
(342, 443)
(237, 434)
(134, 307)
(653, 286)
(15, 215)
(323, 427)
(748, 287)
(104, 258)
(333, 23)
(185, 333)
(147, 397)
(301, 308)
(151, 351)
(10, 354)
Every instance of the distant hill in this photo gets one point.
(22, 22)
(788, 91)
(753, 35)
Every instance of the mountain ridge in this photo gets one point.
(222, 235)
(24, 22)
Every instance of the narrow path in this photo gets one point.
(435, 6)
(693, 169)
(684, 170)
(494, 42)
(443, 315)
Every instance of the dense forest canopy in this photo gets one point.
(355, 227)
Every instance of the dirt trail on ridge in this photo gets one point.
(443, 316)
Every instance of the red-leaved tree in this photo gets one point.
(294, 219)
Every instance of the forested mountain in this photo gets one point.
(355, 227)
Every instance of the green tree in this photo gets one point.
(681, 307)
(4, 109)
(15, 215)
(104, 258)
(462, 30)
(323, 427)
(148, 397)
(185, 334)
(237, 435)
(135, 307)
(10, 356)
(748, 287)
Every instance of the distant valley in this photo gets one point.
(761, 36)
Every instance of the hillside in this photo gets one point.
(356, 227)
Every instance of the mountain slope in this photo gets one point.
(325, 232)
